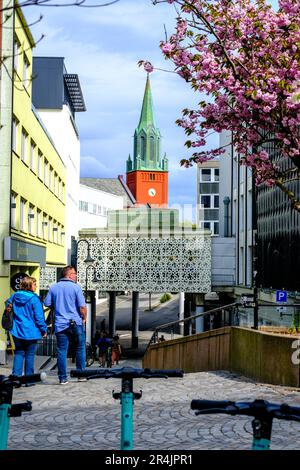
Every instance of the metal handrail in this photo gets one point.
(154, 337)
(188, 319)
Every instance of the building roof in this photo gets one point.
(110, 185)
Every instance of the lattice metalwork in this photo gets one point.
(47, 277)
(146, 265)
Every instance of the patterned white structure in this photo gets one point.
(144, 264)
(47, 277)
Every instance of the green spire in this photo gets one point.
(147, 138)
(147, 114)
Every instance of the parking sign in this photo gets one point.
(281, 296)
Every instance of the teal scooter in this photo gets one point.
(127, 395)
(9, 410)
(262, 411)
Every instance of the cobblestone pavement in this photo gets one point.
(84, 416)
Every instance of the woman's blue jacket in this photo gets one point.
(29, 319)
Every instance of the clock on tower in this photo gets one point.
(147, 173)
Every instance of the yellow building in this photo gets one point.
(32, 210)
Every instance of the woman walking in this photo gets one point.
(28, 325)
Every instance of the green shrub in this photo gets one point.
(165, 297)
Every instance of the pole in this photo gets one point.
(135, 320)
(112, 313)
(254, 254)
(187, 313)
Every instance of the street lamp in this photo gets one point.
(86, 278)
(95, 279)
(88, 259)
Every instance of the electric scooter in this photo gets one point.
(127, 395)
(9, 410)
(262, 411)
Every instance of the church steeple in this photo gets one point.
(147, 172)
(147, 137)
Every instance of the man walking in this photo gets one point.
(69, 317)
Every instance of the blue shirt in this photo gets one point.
(29, 321)
(67, 298)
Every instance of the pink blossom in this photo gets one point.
(167, 48)
(148, 67)
(242, 57)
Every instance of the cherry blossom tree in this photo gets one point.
(243, 57)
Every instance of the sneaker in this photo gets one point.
(82, 379)
(64, 382)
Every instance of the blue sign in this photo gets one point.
(281, 296)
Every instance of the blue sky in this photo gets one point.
(103, 47)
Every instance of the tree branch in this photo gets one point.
(295, 203)
(50, 3)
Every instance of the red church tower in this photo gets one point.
(147, 173)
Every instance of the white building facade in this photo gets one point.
(94, 205)
(57, 96)
(208, 196)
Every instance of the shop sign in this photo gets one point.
(19, 250)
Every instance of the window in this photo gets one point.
(209, 175)
(50, 231)
(212, 226)
(45, 172)
(206, 174)
(38, 222)
(83, 206)
(50, 177)
(55, 183)
(63, 192)
(15, 132)
(210, 201)
(16, 55)
(32, 154)
(143, 147)
(205, 202)
(31, 219)
(62, 235)
(152, 176)
(40, 165)
(13, 210)
(55, 232)
(23, 215)
(24, 145)
(44, 226)
(26, 72)
(152, 148)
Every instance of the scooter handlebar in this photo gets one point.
(32, 378)
(210, 404)
(255, 408)
(18, 380)
(126, 372)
